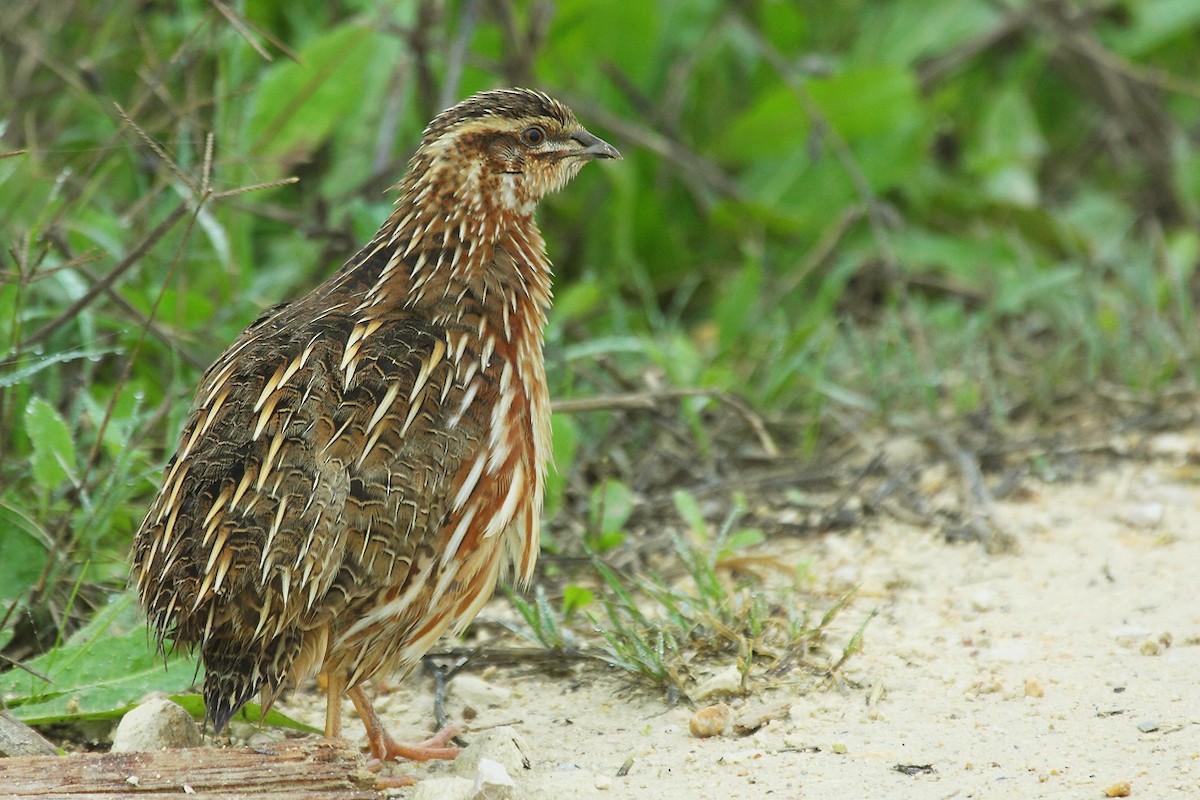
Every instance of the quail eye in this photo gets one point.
(533, 135)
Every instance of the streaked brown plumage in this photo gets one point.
(361, 465)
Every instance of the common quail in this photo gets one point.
(361, 465)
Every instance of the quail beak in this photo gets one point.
(594, 146)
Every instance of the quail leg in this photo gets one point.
(385, 748)
(334, 685)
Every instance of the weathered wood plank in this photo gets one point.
(318, 769)
(18, 739)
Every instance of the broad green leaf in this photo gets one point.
(109, 664)
(901, 32)
(867, 102)
(626, 33)
(297, 105)
(773, 125)
(53, 458)
(1154, 23)
(24, 548)
(251, 712)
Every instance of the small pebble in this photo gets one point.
(1150, 648)
(154, 725)
(1147, 727)
(1033, 688)
(444, 789)
(477, 693)
(492, 782)
(603, 782)
(501, 746)
(1171, 444)
(726, 682)
(1145, 516)
(711, 721)
(750, 720)
(1121, 789)
(983, 600)
(839, 748)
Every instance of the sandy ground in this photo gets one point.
(1065, 669)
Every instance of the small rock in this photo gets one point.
(492, 782)
(750, 720)
(983, 600)
(839, 748)
(1170, 444)
(711, 721)
(726, 682)
(499, 745)
(1150, 648)
(1119, 789)
(1144, 516)
(1147, 727)
(603, 783)
(1127, 635)
(903, 451)
(1033, 688)
(476, 693)
(444, 789)
(156, 724)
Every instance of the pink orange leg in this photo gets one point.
(385, 748)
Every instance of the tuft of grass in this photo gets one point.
(658, 631)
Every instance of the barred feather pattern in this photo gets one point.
(362, 465)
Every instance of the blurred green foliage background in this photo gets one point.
(849, 213)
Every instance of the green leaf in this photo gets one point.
(564, 445)
(737, 311)
(251, 712)
(298, 105)
(689, 509)
(1008, 149)
(867, 102)
(740, 540)
(612, 503)
(771, 127)
(1156, 22)
(24, 548)
(576, 598)
(103, 669)
(626, 33)
(902, 32)
(53, 458)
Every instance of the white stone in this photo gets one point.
(1144, 516)
(499, 745)
(492, 782)
(726, 682)
(475, 692)
(156, 724)
(444, 789)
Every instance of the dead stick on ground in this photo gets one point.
(976, 499)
